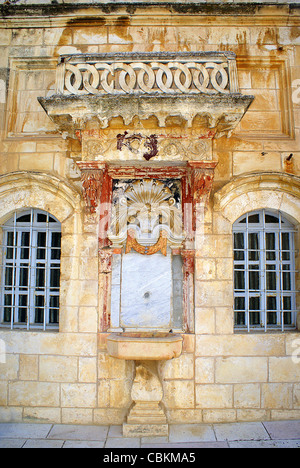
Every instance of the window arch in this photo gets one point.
(264, 272)
(30, 270)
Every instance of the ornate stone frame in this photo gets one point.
(196, 178)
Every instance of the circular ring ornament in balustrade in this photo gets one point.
(107, 70)
(201, 77)
(77, 82)
(218, 70)
(144, 71)
(127, 71)
(73, 79)
(163, 73)
(87, 74)
(135, 77)
(181, 70)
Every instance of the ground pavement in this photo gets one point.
(271, 434)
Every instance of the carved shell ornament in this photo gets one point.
(145, 213)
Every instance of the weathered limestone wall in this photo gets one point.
(67, 376)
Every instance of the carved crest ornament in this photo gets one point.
(133, 142)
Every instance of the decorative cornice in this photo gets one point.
(61, 10)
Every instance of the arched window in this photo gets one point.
(30, 271)
(264, 272)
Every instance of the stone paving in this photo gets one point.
(272, 434)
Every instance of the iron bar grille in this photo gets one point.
(264, 272)
(30, 271)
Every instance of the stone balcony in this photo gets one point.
(184, 85)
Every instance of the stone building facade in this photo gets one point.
(149, 181)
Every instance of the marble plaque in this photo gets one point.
(146, 291)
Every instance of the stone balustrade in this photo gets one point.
(160, 84)
(127, 73)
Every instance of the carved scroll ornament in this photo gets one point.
(132, 243)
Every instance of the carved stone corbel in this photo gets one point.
(202, 176)
(92, 180)
(202, 187)
(105, 259)
(201, 181)
(91, 185)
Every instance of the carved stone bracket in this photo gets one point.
(96, 187)
(105, 257)
(92, 180)
(201, 178)
(197, 186)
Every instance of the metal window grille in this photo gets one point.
(30, 271)
(264, 272)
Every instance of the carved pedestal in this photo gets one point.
(146, 417)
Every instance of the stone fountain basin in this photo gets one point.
(144, 346)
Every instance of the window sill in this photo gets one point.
(267, 332)
(24, 329)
